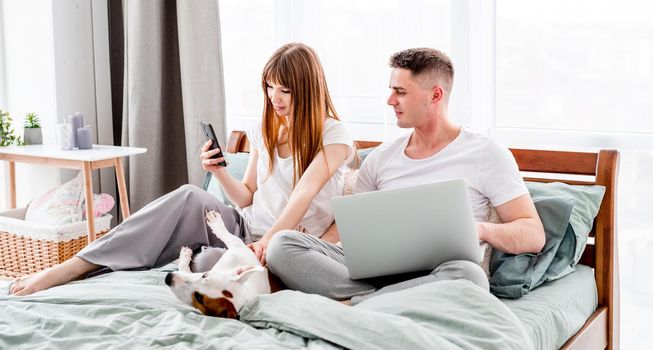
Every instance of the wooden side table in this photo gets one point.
(100, 156)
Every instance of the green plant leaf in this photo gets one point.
(32, 121)
(7, 136)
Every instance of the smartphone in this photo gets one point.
(207, 128)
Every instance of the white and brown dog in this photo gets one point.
(234, 280)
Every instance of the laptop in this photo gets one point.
(406, 230)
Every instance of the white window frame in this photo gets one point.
(473, 56)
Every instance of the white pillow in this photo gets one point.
(64, 204)
(61, 205)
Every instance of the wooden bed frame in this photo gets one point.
(601, 330)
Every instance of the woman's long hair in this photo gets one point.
(297, 67)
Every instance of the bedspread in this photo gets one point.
(136, 310)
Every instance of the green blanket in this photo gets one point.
(132, 310)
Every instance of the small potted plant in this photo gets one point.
(7, 136)
(32, 130)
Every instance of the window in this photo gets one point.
(580, 74)
(353, 39)
(248, 39)
(3, 98)
(582, 65)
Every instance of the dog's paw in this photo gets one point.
(185, 257)
(185, 253)
(214, 220)
(211, 216)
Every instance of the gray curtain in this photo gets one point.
(173, 77)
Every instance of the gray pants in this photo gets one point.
(154, 235)
(311, 265)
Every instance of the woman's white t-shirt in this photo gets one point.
(488, 167)
(273, 190)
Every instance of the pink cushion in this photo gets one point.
(102, 203)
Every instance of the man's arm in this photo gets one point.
(331, 234)
(521, 230)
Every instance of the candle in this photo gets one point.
(84, 137)
(64, 136)
(77, 121)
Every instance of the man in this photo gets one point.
(436, 150)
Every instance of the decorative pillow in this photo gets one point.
(64, 204)
(515, 275)
(350, 182)
(567, 213)
(492, 217)
(587, 201)
(61, 205)
(102, 203)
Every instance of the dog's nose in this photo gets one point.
(169, 279)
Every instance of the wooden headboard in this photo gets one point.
(601, 254)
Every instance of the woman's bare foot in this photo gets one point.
(346, 302)
(65, 272)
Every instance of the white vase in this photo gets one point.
(32, 136)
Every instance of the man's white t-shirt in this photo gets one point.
(273, 190)
(490, 169)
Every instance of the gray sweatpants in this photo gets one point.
(311, 265)
(154, 235)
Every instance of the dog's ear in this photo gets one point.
(244, 271)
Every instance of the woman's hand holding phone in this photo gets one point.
(212, 157)
(208, 163)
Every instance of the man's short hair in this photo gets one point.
(427, 65)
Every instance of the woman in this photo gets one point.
(296, 165)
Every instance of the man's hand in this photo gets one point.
(521, 230)
(259, 248)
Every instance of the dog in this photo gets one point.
(234, 280)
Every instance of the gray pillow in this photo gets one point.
(512, 276)
(567, 213)
(587, 200)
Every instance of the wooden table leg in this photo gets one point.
(88, 193)
(12, 185)
(122, 189)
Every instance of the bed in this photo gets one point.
(134, 309)
(600, 329)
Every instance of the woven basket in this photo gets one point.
(26, 248)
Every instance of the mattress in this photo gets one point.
(556, 310)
